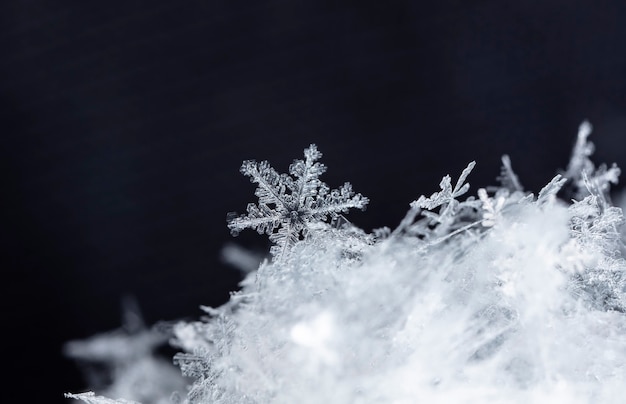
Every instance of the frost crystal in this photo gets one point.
(291, 205)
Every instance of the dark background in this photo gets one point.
(124, 125)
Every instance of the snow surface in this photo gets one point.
(506, 297)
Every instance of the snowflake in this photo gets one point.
(291, 205)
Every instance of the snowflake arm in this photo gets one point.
(507, 178)
(583, 149)
(271, 191)
(548, 192)
(307, 184)
(286, 236)
(262, 218)
(338, 201)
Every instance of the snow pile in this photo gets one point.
(505, 297)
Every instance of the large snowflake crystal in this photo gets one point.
(291, 205)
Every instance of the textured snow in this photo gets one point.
(504, 297)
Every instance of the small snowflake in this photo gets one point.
(290, 205)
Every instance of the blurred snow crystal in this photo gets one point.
(502, 297)
(123, 363)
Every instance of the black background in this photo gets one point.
(124, 125)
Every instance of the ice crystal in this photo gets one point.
(507, 178)
(452, 216)
(91, 398)
(581, 171)
(290, 204)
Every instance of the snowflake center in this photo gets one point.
(295, 216)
